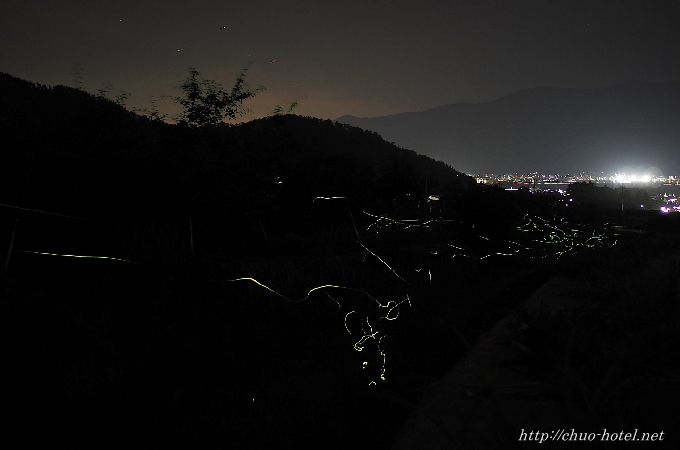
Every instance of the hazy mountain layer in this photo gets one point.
(550, 130)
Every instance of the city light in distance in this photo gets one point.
(632, 178)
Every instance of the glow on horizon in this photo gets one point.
(629, 174)
(633, 178)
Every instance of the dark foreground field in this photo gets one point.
(101, 353)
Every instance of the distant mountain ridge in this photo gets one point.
(548, 129)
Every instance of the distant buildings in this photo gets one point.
(624, 191)
(595, 177)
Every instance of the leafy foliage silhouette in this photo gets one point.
(77, 72)
(281, 111)
(153, 113)
(206, 103)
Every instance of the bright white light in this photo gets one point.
(632, 178)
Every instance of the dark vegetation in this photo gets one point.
(160, 348)
(612, 197)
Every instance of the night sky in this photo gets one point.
(364, 58)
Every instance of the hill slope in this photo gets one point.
(71, 153)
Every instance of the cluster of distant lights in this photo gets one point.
(671, 204)
(645, 176)
(623, 178)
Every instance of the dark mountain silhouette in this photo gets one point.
(73, 153)
(550, 130)
(182, 348)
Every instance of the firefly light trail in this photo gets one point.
(545, 238)
(77, 256)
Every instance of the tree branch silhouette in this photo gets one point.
(206, 103)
